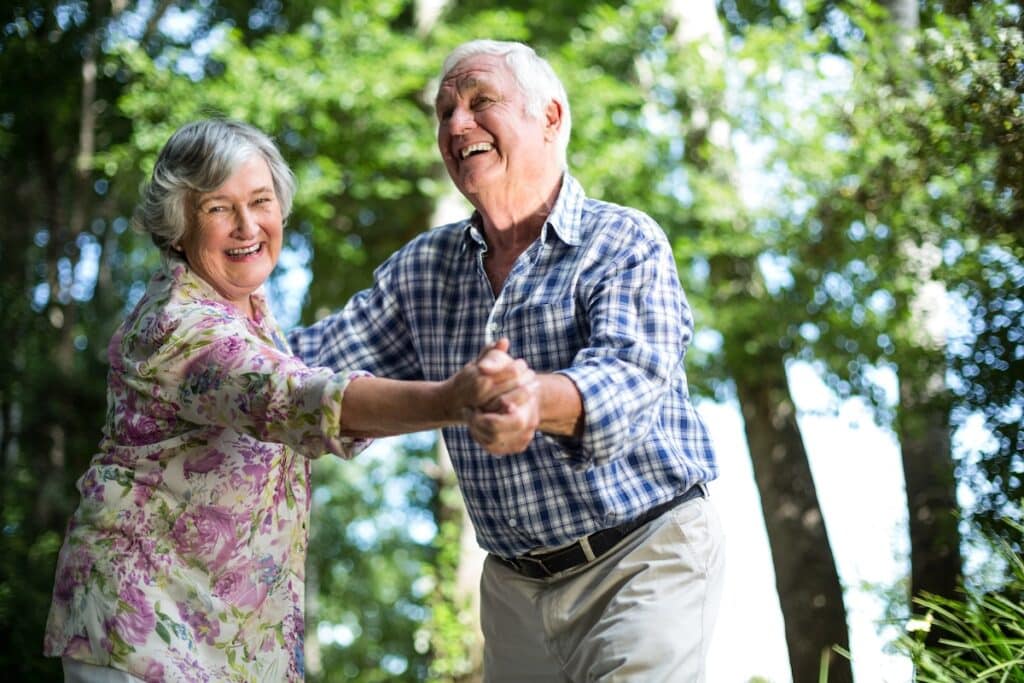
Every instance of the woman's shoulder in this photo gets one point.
(176, 306)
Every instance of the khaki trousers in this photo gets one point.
(642, 613)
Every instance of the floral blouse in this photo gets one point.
(185, 558)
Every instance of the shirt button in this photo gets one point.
(512, 522)
(493, 327)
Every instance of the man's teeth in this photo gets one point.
(244, 251)
(478, 147)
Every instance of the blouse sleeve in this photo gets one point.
(213, 370)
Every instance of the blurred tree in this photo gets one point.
(60, 295)
(903, 183)
(923, 417)
(754, 325)
(368, 594)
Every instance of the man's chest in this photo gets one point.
(539, 309)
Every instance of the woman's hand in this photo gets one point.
(501, 400)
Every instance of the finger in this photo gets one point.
(499, 345)
(496, 362)
(518, 395)
(481, 429)
(508, 433)
(517, 388)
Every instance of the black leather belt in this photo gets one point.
(600, 542)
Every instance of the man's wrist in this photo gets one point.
(560, 406)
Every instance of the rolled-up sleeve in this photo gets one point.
(640, 326)
(212, 370)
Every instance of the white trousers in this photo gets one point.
(80, 672)
(642, 613)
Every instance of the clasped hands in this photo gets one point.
(501, 400)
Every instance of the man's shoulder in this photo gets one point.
(604, 216)
(437, 242)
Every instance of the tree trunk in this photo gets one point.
(924, 433)
(924, 415)
(904, 13)
(459, 585)
(808, 585)
(810, 595)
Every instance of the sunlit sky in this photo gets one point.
(859, 481)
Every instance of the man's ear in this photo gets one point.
(552, 120)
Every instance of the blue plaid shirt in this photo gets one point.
(596, 298)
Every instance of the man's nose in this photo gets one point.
(461, 121)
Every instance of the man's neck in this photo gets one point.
(513, 219)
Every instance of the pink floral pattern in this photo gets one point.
(185, 558)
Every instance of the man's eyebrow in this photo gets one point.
(460, 84)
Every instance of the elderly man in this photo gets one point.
(605, 554)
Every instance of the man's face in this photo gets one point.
(488, 142)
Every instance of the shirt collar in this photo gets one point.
(197, 289)
(564, 219)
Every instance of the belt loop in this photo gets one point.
(588, 552)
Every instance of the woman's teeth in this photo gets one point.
(245, 251)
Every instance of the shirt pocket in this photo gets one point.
(552, 333)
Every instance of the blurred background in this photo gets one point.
(842, 184)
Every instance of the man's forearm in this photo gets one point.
(561, 406)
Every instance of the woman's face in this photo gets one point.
(235, 239)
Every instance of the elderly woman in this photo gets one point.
(185, 558)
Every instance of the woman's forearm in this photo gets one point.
(376, 407)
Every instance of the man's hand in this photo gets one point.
(493, 375)
(506, 421)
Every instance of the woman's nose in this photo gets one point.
(245, 223)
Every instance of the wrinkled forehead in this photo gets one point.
(471, 74)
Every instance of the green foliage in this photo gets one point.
(915, 174)
(371, 537)
(864, 153)
(446, 631)
(983, 634)
(344, 97)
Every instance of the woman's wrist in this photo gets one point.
(448, 397)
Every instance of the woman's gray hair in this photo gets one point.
(534, 76)
(199, 157)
